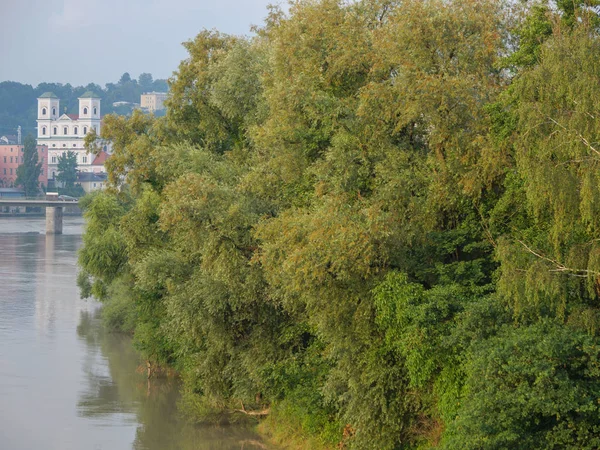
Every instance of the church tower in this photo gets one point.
(64, 132)
(89, 112)
(48, 110)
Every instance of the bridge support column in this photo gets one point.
(54, 219)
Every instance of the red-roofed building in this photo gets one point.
(98, 163)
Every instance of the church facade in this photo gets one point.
(64, 132)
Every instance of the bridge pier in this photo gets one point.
(54, 219)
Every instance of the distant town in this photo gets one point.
(60, 131)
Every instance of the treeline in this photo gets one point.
(18, 102)
(375, 223)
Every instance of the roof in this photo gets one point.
(100, 159)
(73, 116)
(89, 94)
(82, 177)
(8, 140)
(48, 95)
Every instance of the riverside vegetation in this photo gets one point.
(374, 224)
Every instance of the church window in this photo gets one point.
(74, 145)
(65, 130)
(54, 160)
(43, 111)
(84, 130)
(5, 160)
(95, 110)
(75, 130)
(84, 111)
(5, 171)
(53, 111)
(64, 145)
(53, 145)
(44, 131)
(55, 131)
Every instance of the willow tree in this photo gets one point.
(551, 259)
(376, 126)
(538, 377)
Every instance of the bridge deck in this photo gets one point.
(41, 203)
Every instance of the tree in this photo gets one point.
(67, 169)
(530, 388)
(145, 81)
(358, 220)
(29, 171)
(125, 78)
(160, 86)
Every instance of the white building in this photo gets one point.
(63, 132)
(153, 101)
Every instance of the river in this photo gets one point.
(65, 382)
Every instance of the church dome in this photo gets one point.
(48, 95)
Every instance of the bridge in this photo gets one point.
(54, 210)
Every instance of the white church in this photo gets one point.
(63, 132)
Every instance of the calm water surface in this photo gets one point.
(65, 383)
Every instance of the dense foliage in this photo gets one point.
(29, 171)
(67, 169)
(375, 221)
(18, 104)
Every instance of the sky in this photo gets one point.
(96, 41)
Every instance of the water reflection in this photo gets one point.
(65, 383)
(118, 387)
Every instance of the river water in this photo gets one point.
(66, 383)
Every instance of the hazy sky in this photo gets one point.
(83, 41)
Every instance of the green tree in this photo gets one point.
(353, 218)
(550, 262)
(29, 171)
(530, 388)
(125, 78)
(145, 81)
(67, 169)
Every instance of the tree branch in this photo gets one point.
(579, 135)
(559, 267)
(264, 412)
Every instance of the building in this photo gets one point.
(8, 139)
(64, 132)
(12, 156)
(91, 181)
(98, 162)
(153, 101)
